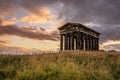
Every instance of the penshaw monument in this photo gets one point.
(75, 36)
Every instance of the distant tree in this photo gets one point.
(102, 50)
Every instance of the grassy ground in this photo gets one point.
(61, 66)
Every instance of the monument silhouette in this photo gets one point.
(75, 36)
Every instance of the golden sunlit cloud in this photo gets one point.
(57, 25)
(14, 18)
(5, 41)
(27, 33)
(7, 22)
(109, 43)
(43, 17)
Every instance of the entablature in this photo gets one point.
(70, 28)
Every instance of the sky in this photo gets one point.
(33, 24)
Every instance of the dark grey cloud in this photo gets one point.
(8, 7)
(99, 11)
(108, 32)
(105, 13)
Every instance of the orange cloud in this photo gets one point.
(5, 41)
(7, 22)
(43, 17)
(38, 34)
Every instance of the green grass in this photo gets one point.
(61, 66)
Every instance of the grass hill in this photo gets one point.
(61, 66)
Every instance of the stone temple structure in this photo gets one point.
(75, 36)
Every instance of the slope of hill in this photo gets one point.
(61, 66)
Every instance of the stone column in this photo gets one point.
(67, 45)
(89, 42)
(61, 42)
(86, 43)
(65, 42)
(82, 44)
(82, 41)
(72, 41)
(78, 41)
(69, 38)
(97, 44)
(92, 43)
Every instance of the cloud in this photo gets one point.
(90, 24)
(99, 11)
(111, 45)
(22, 32)
(4, 41)
(43, 16)
(108, 32)
(0, 21)
(7, 7)
(102, 15)
(7, 22)
(30, 28)
(36, 12)
(37, 19)
(35, 6)
(111, 42)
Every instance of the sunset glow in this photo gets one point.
(34, 24)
